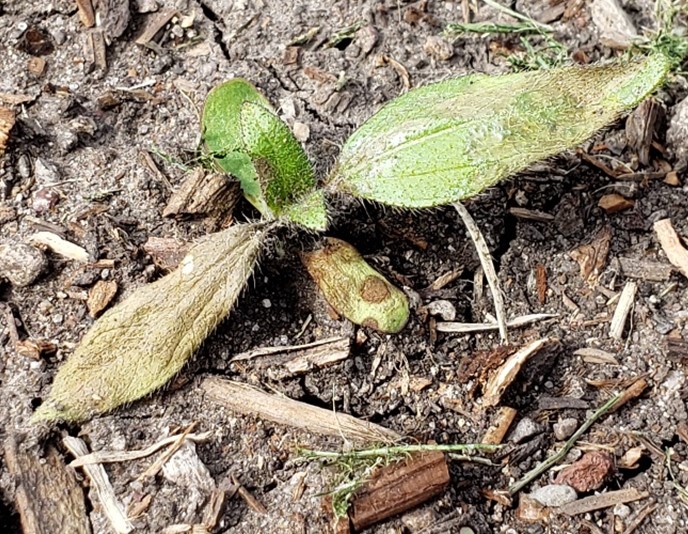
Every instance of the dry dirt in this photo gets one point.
(66, 140)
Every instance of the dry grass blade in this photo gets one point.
(112, 509)
(488, 267)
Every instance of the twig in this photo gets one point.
(463, 328)
(488, 267)
(99, 479)
(474, 459)
(106, 457)
(267, 351)
(157, 465)
(253, 503)
(556, 458)
(400, 449)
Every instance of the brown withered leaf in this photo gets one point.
(100, 296)
(587, 474)
(7, 119)
(140, 344)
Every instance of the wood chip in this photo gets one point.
(562, 403)
(203, 194)
(641, 125)
(508, 371)
(111, 507)
(500, 426)
(35, 349)
(60, 246)
(614, 203)
(671, 244)
(531, 215)
(154, 24)
(653, 271)
(253, 503)
(592, 257)
(623, 308)
(247, 400)
(86, 13)
(213, 511)
(399, 487)
(38, 481)
(603, 500)
(7, 119)
(100, 296)
(97, 50)
(166, 252)
(672, 179)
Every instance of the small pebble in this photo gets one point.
(437, 48)
(443, 308)
(266, 303)
(554, 495)
(526, 428)
(565, 428)
(20, 263)
(621, 510)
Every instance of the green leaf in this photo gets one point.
(253, 144)
(449, 141)
(141, 343)
(354, 289)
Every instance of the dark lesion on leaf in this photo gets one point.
(374, 290)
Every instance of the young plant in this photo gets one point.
(435, 145)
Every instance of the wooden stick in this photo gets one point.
(399, 487)
(623, 308)
(247, 400)
(156, 466)
(111, 507)
(507, 372)
(47, 494)
(488, 267)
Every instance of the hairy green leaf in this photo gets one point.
(253, 144)
(138, 345)
(354, 289)
(449, 141)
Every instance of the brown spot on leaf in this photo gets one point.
(374, 290)
(371, 323)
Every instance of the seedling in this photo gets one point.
(435, 145)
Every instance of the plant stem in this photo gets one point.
(556, 458)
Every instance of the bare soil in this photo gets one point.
(111, 204)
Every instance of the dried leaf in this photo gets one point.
(588, 473)
(354, 289)
(449, 141)
(137, 346)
